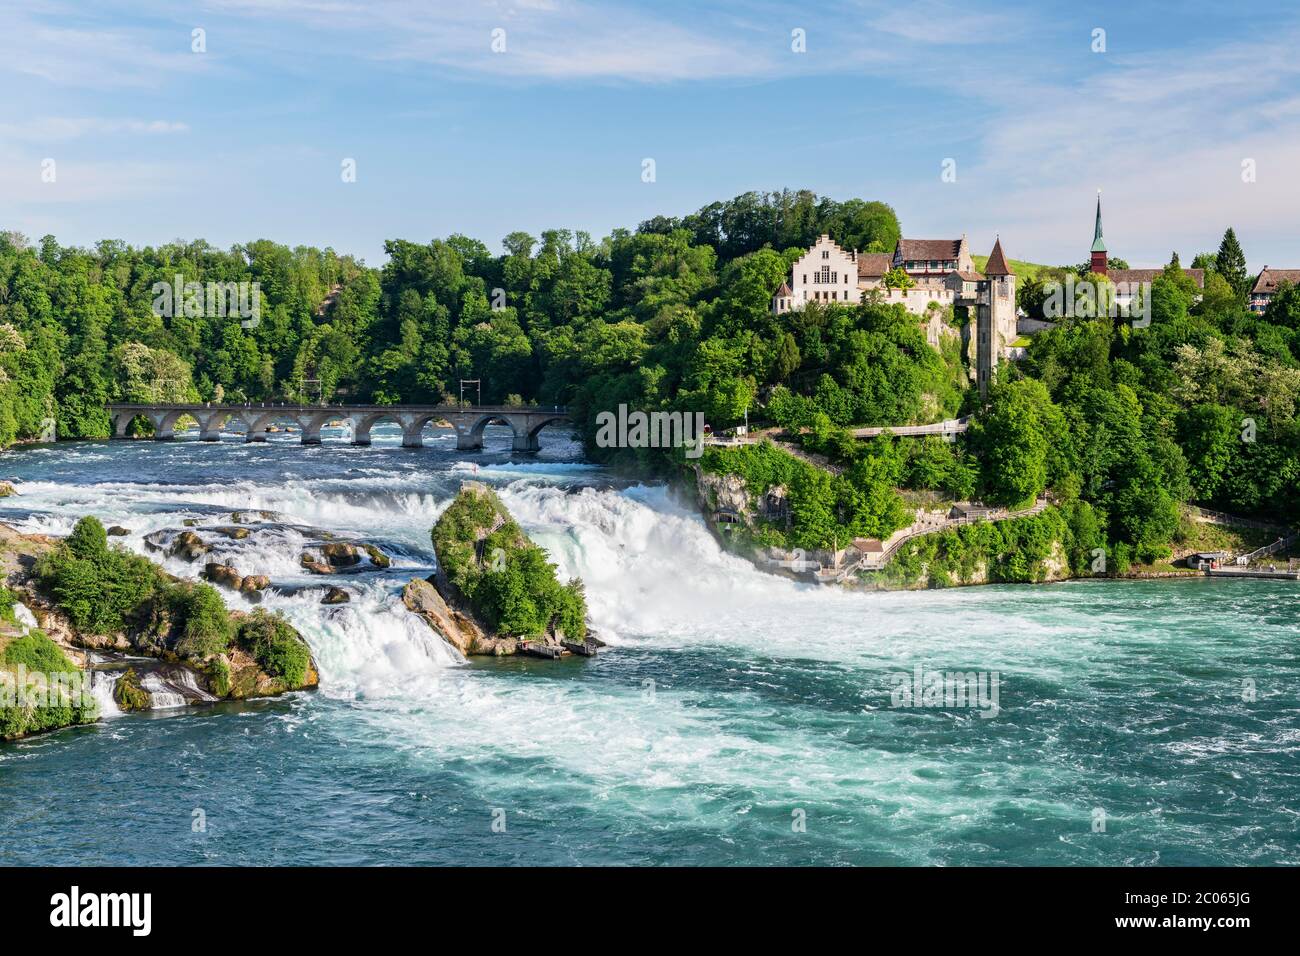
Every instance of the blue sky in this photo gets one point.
(152, 141)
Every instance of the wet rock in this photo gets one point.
(340, 554)
(191, 522)
(254, 583)
(189, 546)
(117, 531)
(377, 557)
(224, 575)
(459, 630)
(234, 534)
(129, 694)
(314, 564)
(7, 489)
(336, 596)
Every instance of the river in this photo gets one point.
(736, 718)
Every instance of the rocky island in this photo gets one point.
(494, 592)
(81, 605)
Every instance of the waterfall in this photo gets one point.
(102, 685)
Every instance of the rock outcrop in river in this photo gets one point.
(494, 592)
(100, 605)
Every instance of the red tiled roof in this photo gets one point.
(997, 264)
(1270, 279)
(873, 265)
(929, 248)
(784, 291)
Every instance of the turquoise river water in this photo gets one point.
(736, 718)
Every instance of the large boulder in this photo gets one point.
(130, 694)
(224, 575)
(340, 554)
(377, 557)
(336, 596)
(7, 489)
(460, 630)
(117, 531)
(189, 546)
(255, 582)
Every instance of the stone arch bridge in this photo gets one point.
(526, 421)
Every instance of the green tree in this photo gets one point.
(1230, 262)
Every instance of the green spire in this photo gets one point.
(1098, 243)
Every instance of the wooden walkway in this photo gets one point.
(1280, 574)
(947, 429)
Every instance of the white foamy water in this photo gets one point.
(728, 696)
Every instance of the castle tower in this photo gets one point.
(1098, 264)
(995, 320)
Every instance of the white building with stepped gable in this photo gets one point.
(943, 274)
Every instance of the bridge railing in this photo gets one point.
(342, 406)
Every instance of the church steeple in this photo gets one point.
(1098, 263)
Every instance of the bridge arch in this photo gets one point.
(165, 424)
(535, 428)
(122, 421)
(212, 424)
(260, 423)
(410, 424)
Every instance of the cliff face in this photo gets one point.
(460, 628)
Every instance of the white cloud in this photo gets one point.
(51, 46)
(55, 129)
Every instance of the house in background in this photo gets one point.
(943, 274)
(1266, 286)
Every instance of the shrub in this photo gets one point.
(89, 540)
(37, 654)
(101, 592)
(205, 625)
(504, 576)
(219, 677)
(276, 646)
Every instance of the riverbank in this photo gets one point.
(752, 514)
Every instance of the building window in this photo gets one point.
(835, 295)
(826, 253)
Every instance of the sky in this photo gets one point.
(120, 121)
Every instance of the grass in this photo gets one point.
(1200, 536)
(1023, 270)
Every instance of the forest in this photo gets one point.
(675, 315)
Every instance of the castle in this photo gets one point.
(942, 274)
